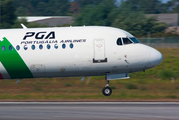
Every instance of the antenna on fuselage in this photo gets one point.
(23, 26)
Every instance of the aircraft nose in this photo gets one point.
(155, 57)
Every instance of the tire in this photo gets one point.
(107, 91)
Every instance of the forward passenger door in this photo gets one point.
(99, 51)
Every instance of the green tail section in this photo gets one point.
(12, 61)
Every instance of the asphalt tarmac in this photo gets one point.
(89, 110)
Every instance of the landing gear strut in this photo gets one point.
(107, 91)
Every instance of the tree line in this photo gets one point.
(125, 14)
(67, 7)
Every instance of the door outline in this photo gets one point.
(99, 51)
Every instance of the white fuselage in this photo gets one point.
(78, 51)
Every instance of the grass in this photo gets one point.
(131, 86)
(112, 87)
(166, 74)
(155, 83)
(68, 85)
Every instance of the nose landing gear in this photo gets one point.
(107, 91)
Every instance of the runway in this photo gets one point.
(89, 111)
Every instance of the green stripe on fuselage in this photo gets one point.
(12, 62)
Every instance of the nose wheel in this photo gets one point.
(107, 91)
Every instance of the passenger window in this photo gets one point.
(119, 41)
(25, 47)
(71, 45)
(40, 47)
(3, 48)
(126, 41)
(63, 46)
(18, 47)
(48, 46)
(10, 48)
(56, 46)
(33, 47)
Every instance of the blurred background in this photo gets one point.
(153, 22)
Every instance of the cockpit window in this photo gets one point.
(134, 40)
(126, 41)
(119, 41)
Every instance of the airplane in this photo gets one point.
(73, 51)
